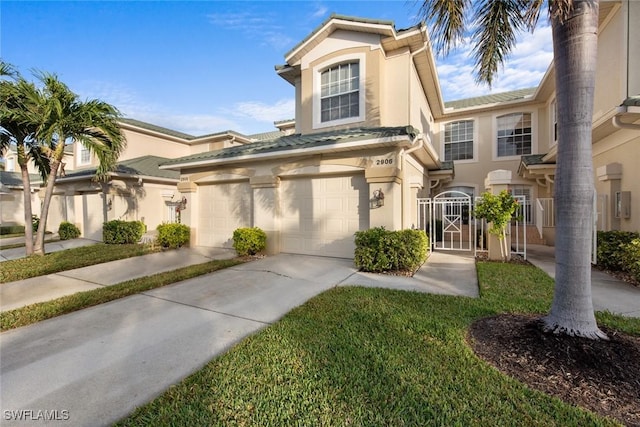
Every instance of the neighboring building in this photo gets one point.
(371, 136)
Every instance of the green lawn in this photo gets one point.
(46, 310)
(69, 259)
(366, 357)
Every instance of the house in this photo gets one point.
(372, 139)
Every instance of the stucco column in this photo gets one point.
(189, 215)
(495, 182)
(611, 176)
(389, 182)
(266, 209)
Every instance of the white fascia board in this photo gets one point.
(347, 146)
(62, 180)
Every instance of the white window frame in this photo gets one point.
(82, 149)
(10, 164)
(317, 71)
(553, 119)
(534, 135)
(474, 142)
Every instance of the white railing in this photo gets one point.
(548, 212)
(539, 216)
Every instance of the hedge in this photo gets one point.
(119, 232)
(173, 235)
(249, 241)
(379, 250)
(610, 248)
(67, 231)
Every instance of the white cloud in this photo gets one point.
(320, 11)
(262, 112)
(525, 67)
(265, 28)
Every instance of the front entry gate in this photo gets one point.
(447, 220)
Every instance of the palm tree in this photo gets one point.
(574, 25)
(92, 123)
(19, 118)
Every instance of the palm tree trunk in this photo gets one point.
(575, 43)
(38, 248)
(26, 192)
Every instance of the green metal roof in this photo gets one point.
(534, 159)
(140, 166)
(490, 99)
(632, 101)
(14, 179)
(297, 141)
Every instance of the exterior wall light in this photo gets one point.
(378, 197)
(109, 204)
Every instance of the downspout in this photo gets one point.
(420, 139)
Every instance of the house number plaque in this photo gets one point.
(384, 161)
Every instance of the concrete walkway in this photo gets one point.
(16, 253)
(608, 293)
(98, 364)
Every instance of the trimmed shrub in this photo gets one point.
(610, 244)
(68, 231)
(35, 223)
(379, 250)
(119, 232)
(173, 235)
(630, 258)
(12, 229)
(249, 241)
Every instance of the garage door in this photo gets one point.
(223, 208)
(320, 215)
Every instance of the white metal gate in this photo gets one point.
(447, 220)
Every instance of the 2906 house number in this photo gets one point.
(383, 162)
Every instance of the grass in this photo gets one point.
(45, 310)
(68, 259)
(361, 356)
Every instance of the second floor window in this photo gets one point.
(84, 157)
(340, 92)
(514, 134)
(458, 140)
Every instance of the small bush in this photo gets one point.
(35, 223)
(173, 235)
(249, 241)
(68, 231)
(12, 229)
(610, 244)
(118, 232)
(630, 256)
(379, 250)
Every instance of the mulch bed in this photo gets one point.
(602, 376)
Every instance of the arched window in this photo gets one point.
(340, 92)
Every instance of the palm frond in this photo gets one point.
(446, 19)
(497, 23)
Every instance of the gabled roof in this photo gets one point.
(146, 166)
(285, 145)
(514, 95)
(158, 129)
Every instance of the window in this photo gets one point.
(554, 120)
(10, 164)
(84, 155)
(340, 92)
(514, 134)
(458, 140)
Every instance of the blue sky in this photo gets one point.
(208, 66)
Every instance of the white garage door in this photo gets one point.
(320, 215)
(223, 208)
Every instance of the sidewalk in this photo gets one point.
(16, 253)
(44, 288)
(608, 293)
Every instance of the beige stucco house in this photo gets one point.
(371, 137)
(370, 120)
